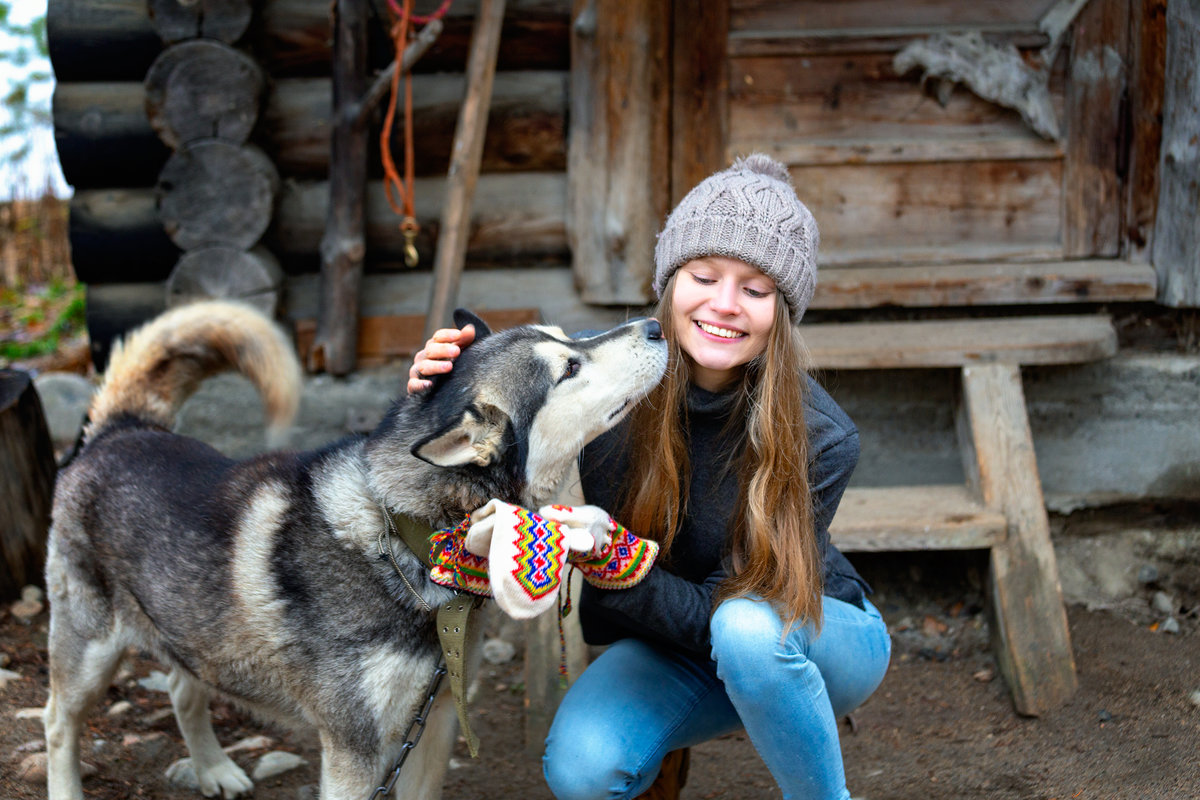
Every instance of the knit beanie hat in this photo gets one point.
(749, 212)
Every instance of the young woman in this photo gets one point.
(735, 464)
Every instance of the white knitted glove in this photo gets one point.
(587, 530)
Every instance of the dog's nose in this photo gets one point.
(653, 329)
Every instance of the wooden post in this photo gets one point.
(26, 483)
(1029, 623)
(465, 157)
(343, 245)
(618, 150)
(699, 92)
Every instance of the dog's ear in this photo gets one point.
(464, 317)
(476, 438)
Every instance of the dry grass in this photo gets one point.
(35, 249)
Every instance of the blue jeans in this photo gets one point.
(637, 702)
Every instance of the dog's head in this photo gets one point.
(520, 404)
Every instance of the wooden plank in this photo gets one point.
(465, 157)
(1147, 59)
(915, 518)
(699, 93)
(988, 147)
(388, 339)
(953, 343)
(619, 143)
(828, 41)
(869, 14)
(1029, 623)
(1176, 241)
(27, 472)
(857, 96)
(880, 212)
(1092, 196)
(1090, 281)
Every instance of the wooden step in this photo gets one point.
(956, 343)
(915, 518)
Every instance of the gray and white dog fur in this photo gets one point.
(262, 579)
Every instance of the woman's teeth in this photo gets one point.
(724, 333)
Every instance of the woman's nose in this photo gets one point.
(724, 298)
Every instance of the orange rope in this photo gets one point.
(392, 183)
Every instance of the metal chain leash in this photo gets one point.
(410, 743)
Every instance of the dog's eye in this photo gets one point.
(572, 369)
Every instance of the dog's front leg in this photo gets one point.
(216, 772)
(347, 774)
(425, 769)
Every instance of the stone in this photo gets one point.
(29, 713)
(156, 681)
(32, 746)
(65, 397)
(147, 748)
(985, 675)
(251, 743)
(32, 769)
(1163, 603)
(25, 610)
(5, 660)
(308, 791)
(182, 773)
(1147, 574)
(498, 651)
(1194, 697)
(119, 708)
(7, 676)
(1169, 625)
(33, 594)
(275, 763)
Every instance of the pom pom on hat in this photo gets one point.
(749, 212)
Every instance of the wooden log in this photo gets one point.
(116, 236)
(115, 40)
(216, 193)
(27, 472)
(518, 218)
(466, 153)
(699, 92)
(253, 277)
(343, 242)
(619, 189)
(203, 89)
(1176, 241)
(115, 308)
(873, 15)
(1032, 643)
(104, 138)
(1092, 196)
(221, 20)
(1148, 61)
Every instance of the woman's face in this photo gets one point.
(722, 310)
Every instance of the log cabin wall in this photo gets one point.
(103, 50)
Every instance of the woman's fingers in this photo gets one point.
(437, 357)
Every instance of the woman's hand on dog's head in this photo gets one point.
(437, 357)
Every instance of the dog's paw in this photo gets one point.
(222, 779)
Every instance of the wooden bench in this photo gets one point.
(1000, 508)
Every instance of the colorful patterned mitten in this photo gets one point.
(525, 557)
(615, 559)
(455, 566)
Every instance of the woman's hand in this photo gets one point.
(437, 357)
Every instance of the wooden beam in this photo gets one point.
(27, 472)
(1097, 76)
(1148, 61)
(1029, 623)
(699, 92)
(915, 518)
(1176, 240)
(464, 165)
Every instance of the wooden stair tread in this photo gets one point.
(956, 343)
(915, 518)
(1082, 281)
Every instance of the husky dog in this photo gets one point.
(263, 579)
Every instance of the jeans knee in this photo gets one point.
(747, 640)
(586, 768)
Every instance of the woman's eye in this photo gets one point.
(756, 293)
(572, 369)
(703, 280)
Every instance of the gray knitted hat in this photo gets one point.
(749, 212)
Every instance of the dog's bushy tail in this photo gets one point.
(157, 367)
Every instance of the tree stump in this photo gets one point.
(27, 473)
(252, 277)
(203, 90)
(223, 20)
(216, 193)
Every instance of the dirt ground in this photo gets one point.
(941, 725)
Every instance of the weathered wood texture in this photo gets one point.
(619, 189)
(220, 20)
(1147, 60)
(1032, 644)
(251, 276)
(518, 218)
(114, 308)
(113, 40)
(214, 193)
(104, 138)
(465, 158)
(915, 518)
(1097, 78)
(203, 89)
(1176, 233)
(699, 92)
(773, 15)
(955, 343)
(26, 483)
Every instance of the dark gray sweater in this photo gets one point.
(674, 603)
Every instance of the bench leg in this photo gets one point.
(1029, 623)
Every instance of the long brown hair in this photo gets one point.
(773, 546)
